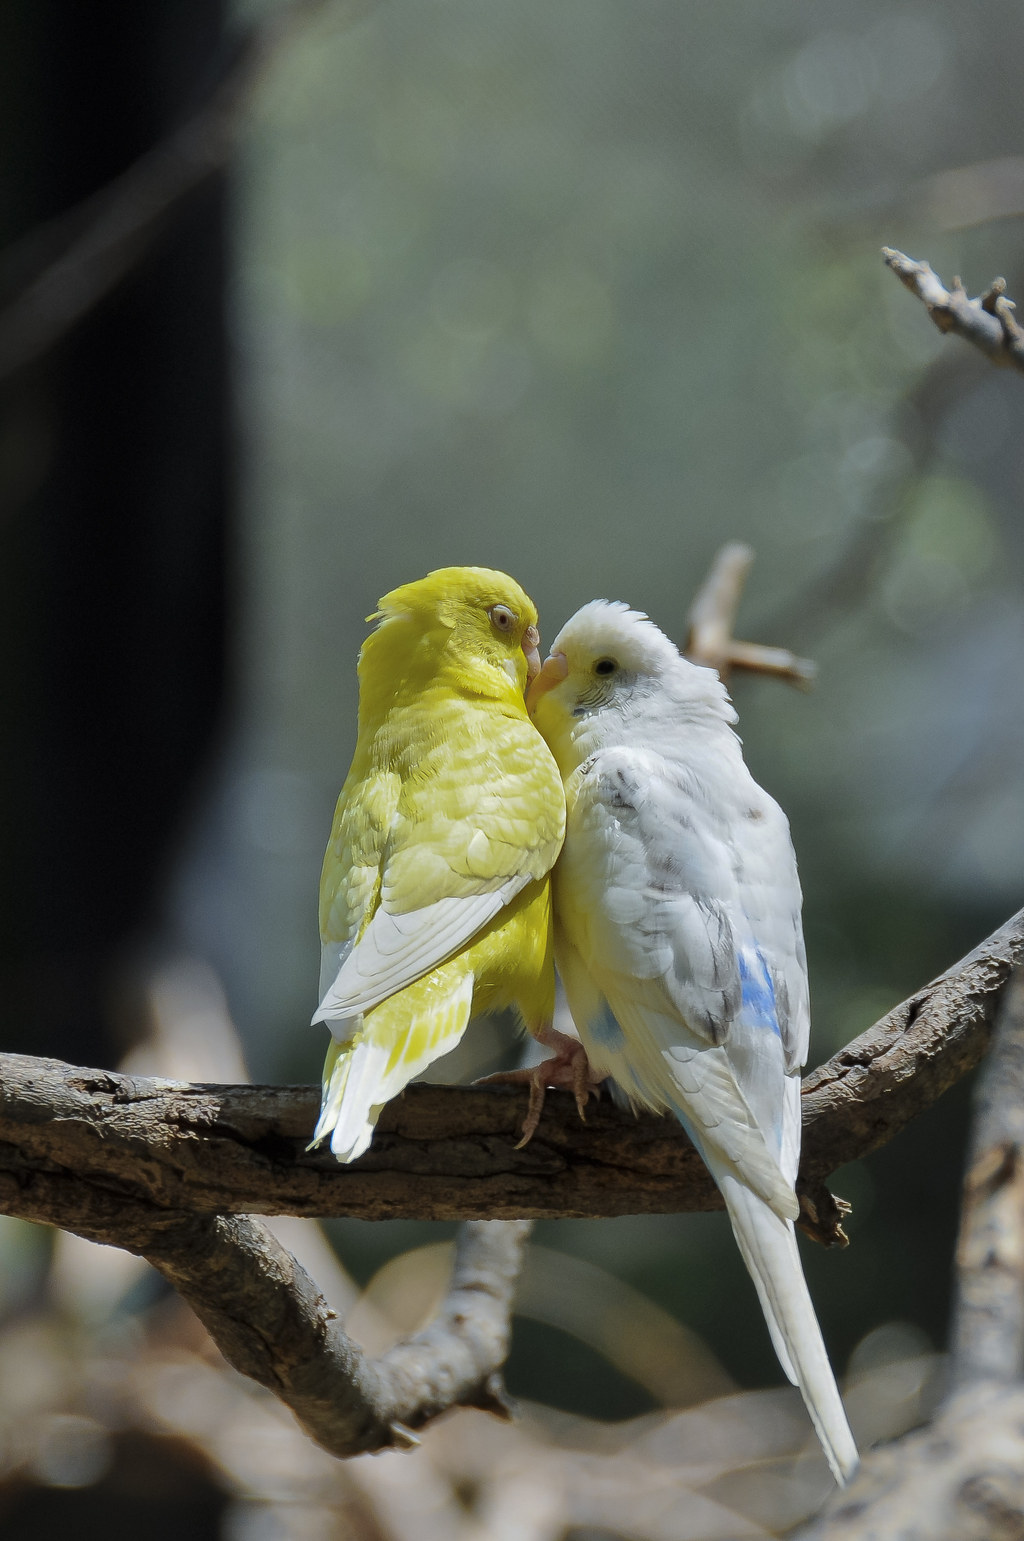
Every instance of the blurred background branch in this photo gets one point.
(988, 322)
(709, 638)
(963, 1475)
(959, 197)
(270, 1321)
(988, 1319)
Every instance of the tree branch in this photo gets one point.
(448, 1153)
(270, 1321)
(166, 1170)
(964, 1474)
(988, 1341)
(988, 322)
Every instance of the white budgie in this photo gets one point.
(678, 938)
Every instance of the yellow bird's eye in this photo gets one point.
(605, 666)
(502, 618)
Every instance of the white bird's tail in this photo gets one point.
(769, 1249)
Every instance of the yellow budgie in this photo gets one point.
(434, 897)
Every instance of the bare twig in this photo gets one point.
(988, 322)
(713, 613)
(112, 230)
(988, 1340)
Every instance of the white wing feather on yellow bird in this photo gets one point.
(434, 896)
(678, 939)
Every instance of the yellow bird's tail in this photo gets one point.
(394, 1042)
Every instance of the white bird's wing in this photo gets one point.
(682, 896)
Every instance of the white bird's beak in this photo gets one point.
(531, 647)
(555, 670)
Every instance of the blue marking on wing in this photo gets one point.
(605, 1030)
(758, 998)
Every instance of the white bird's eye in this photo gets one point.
(502, 618)
(605, 666)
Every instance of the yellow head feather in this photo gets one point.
(463, 627)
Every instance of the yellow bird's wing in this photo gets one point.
(478, 813)
(351, 876)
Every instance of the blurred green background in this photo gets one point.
(577, 290)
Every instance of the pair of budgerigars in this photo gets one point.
(607, 821)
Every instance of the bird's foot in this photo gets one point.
(568, 1070)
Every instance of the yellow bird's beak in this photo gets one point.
(531, 647)
(555, 670)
